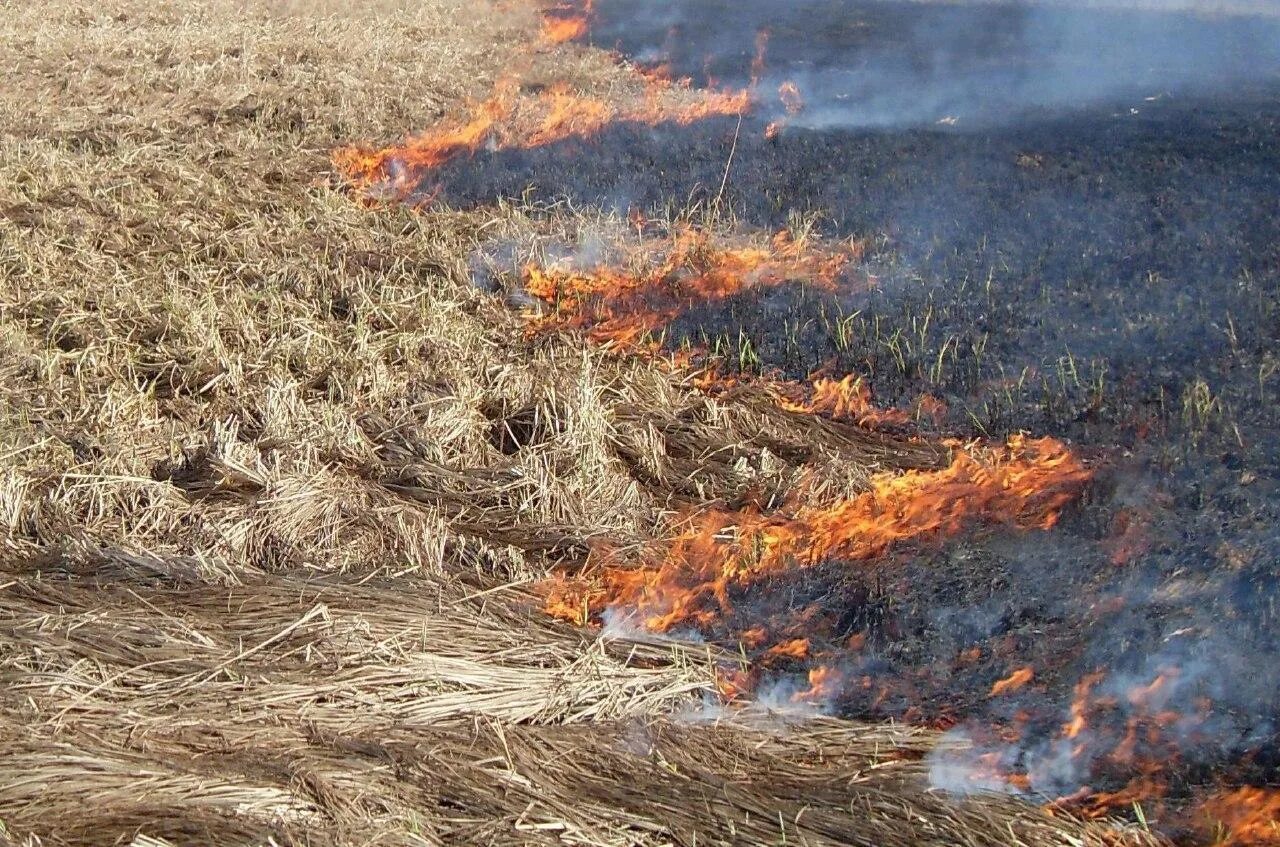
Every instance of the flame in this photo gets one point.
(847, 398)
(1249, 815)
(825, 683)
(792, 99)
(506, 121)
(795, 648)
(1012, 682)
(567, 21)
(559, 30)
(792, 103)
(557, 113)
(1080, 705)
(620, 307)
(400, 165)
(624, 305)
(569, 114)
(715, 556)
(690, 579)
(762, 51)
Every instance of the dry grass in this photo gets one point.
(275, 479)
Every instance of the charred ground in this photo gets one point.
(1090, 251)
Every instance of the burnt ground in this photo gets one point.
(1101, 265)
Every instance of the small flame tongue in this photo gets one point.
(567, 21)
(506, 120)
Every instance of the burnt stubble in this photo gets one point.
(1074, 218)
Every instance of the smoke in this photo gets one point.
(619, 623)
(779, 701)
(1191, 700)
(888, 64)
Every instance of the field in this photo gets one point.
(307, 536)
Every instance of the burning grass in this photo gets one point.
(627, 305)
(689, 581)
(512, 120)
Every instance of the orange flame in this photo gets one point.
(693, 577)
(619, 307)
(569, 114)
(567, 21)
(510, 123)
(399, 165)
(846, 398)
(792, 99)
(1012, 682)
(792, 103)
(1024, 484)
(824, 684)
(795, 648)
(1250, 816)
(1080, 705)
(559, 30)
(762, 51)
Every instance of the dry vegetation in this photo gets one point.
(276, 482)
